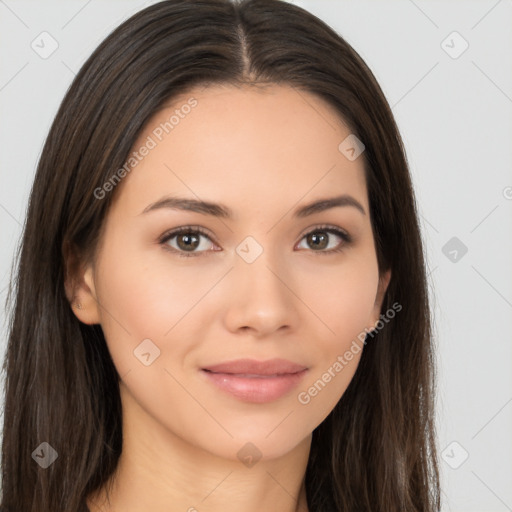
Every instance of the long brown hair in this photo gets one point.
(376, 451)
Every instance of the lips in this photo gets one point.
(255, 381)
(250, 367)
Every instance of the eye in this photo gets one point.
(188, 239)
(319, 238)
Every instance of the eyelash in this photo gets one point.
(347, 239)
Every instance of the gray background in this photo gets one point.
(454, 112)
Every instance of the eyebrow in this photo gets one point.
(222, 211)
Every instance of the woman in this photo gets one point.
(221, 299)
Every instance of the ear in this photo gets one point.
(379, 299)
(80, 289)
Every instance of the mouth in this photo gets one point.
(255, 381)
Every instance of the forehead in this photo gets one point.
(244, 146)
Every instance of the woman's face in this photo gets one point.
(264, 282)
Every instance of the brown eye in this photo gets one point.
(186, 241)
(318, 239)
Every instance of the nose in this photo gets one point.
(262, 297)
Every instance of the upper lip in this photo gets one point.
(253, 367)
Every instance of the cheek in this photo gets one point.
(134, 304)
(344, 306)
(147, 293)
(148, 297)
(341, 296)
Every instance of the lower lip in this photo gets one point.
(256, 389)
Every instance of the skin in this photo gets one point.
(263, 153)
